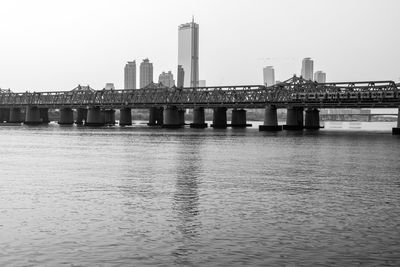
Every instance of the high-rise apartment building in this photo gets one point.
(307, 68)
(167, 79)
(320, 76)
(130, 75)
(188, 54)
(269, 75)
(146, 73)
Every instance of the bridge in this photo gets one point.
(167, 105)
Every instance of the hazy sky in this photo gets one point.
(55, 45)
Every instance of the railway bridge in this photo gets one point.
(167, 105)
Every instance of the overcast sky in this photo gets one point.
(55, 45)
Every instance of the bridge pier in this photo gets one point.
(294, 119)
(125, 117)
(109, 116)
(199, 119)
(172, 117)
(312, 119)
(239, 118)
(270, 120)
(4, 114)
(15, 116)
(156, 116)
(219, 118)
(44, 115)
(396, 130)
(66, 116)
(95, 117)
(32, 116)
(81, 115)
(181, 114)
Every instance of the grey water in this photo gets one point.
(136, 196)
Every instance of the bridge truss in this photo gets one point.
(292, 92)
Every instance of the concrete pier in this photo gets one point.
(32, 116)
(125, 117)
(44, 115)
(270, 120)
(239, 118)
(66, 116)
(156, 117)
(95, 117)
(4, 114)
(172, 117)
(199, 120)
(294, 119)
(396, 130)
(15, 116)
(181, 114)
(219, 118)
(81, 115)
(109, 116)
(312, 119)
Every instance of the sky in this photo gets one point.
(48, 45)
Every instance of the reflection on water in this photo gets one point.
(139, 196)
(186, 198)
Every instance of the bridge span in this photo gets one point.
(167, 105)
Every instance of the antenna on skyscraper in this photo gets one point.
(192, 18)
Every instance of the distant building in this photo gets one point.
(167, 79)
(109, 86)
(320, 76)
(181, 76)
(269, 75)
(188, 54)
(202, 83)
(146, 73)
(307, 68)
(130, 75)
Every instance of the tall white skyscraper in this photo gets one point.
(307, 68)
(167, 79)
(130, 75)
(146, 73)
(269, 75)
(320, 76)
(188, 54)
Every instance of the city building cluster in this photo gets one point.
(307, 72)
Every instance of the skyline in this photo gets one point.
(56, 46)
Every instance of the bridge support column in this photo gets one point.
(32, 116)
(4, 114)
(239, 118)
(396, 130)
(270, 120)
(81, 115)
(15, 116)
(181, 113)
(44, 115)
(155, 116)
(219, 118)
(294, 119)
(125, 117)
(199, 119)
(312, 119)
(94, 117)
(172, 117)
(109, 116)
(66, 116)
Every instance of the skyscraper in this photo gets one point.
(181, 76)
(167, 79)
(320, 76)
(188, 53)
(269, 75)
(146, 73)
(307, 68)
(130, 75)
